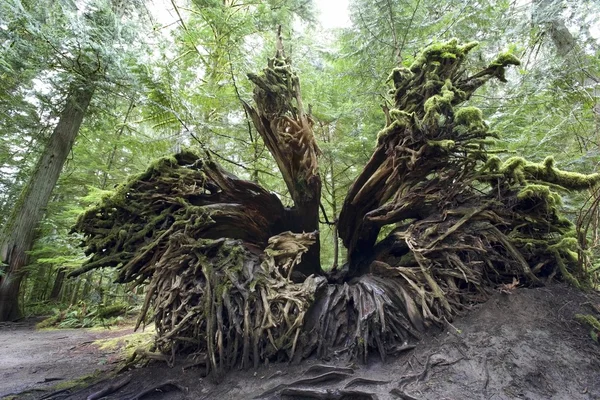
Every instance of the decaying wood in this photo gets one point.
(233, 276)
(287, 131)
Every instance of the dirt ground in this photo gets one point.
(523, 345)
(37, 360)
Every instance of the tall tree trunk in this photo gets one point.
(39, 281)
(18, 234)
(58, 284)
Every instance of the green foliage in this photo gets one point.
(164, 88)
(592, 322)
(84, 315)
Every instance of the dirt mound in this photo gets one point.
(524, 345)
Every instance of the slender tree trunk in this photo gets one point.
(75, 294)
(58, 284)
(39, 281)
(47, 280)
(334, 210)
(85, 291)
(18, 233)
(113, 153)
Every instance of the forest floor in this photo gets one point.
(37, 360)
(521, 345)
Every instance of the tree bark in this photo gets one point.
(58, 284)
(19, 232)
(287, 130)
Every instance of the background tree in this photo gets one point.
(76, 63)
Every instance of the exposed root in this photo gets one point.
(161, 387)
(109, 389)
(401, 394)
(321, 369)
(234, 275)
(326, 394)
(364, 381)
(326, 377)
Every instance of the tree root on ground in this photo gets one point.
(113, 387)
(433, 223)
(326, 394)
(332, 376)
(161, 387)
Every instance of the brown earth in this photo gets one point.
(522, 345)
(37, 360)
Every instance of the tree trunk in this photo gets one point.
(39, 282)
(74, 296)
(287, 131)
(19, 232)
(58, 284)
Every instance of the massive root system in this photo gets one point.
(233, 276)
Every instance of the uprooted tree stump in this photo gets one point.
(234, 277)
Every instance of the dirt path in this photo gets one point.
(524, 345)
(32, 359)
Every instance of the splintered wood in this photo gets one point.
(233, 277)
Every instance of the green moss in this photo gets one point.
(402, 120)
(513, 168)
(81, 382)
(505, 59)
(512, 164)
(443, 144)
(546, 172)
(542, 192)
(565, 273)
(471, 118)
(589, 320)
(439, 103)
(126, 345)
(492, 164)
(441, 51)
(399, 76)
(48, 322)
(566, 244)
(498, 65)
(112, 310)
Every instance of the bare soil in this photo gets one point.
(522, 345)
(36, 360)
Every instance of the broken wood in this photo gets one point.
(232, 274)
